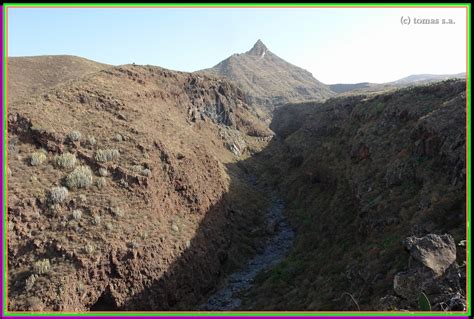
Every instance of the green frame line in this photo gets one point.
(250, 6)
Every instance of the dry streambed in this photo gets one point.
(276, 248)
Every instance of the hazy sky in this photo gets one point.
(336, 45)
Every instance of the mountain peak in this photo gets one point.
(258, 48)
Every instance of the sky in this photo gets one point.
(337, 45)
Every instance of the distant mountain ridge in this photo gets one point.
(268, 80)
(414, 79)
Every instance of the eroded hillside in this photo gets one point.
(124, 192)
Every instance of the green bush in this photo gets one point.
(101, 182)
(96, 220)
(81, 177)
(138, 169)
(103, 172)
(37, 158)
(90, 140)
(41, 266)
(65, 160)
(57, 195)
(74, 136)
(107, 155)
(30, 282)
(89, 249)
(76, 214)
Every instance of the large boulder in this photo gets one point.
(433, 251)
(432, 269)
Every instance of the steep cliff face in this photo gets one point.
(155, 211)
(361, 175)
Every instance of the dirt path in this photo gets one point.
(276, 248)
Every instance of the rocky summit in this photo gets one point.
(268, 80)
(247, 186)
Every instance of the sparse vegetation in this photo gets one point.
(74, 136)
(106, 155)
(143, 235)
(118, 138)
(65, 160)
(81, 177)
(76, 214)
(57, 195)
(101, 182)
(139, 169)
(133, 245)
(174, 228)
(103, 172)
(117, 211)
(90, 140)
(96, 220)
(89, 249)
(82, 198)
(38, 158)
(30, 282)
(41, 266)
(123, 183)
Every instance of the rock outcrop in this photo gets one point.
(432, 270)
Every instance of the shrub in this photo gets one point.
(74, 136)
(133, 245)
(57, 194)
(41, 266)
(90, 140)
(103, 172)
(101, 182)
(65, 160)
(146, 172)
(76, 214)
(81, 177)
(82, 198)
(117, 211)
(96, 220)
(109, 226)
(118, 138)
(123, 183)
(30, 282)
(107, 155)
(37, 158)
(141, 170)
(89, 249)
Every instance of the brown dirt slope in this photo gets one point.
(160, 222)
(360, 175)
(31, 75)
